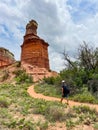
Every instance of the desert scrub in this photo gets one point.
(22, 77)
(5, 116)
(5, 75)
(84, 109)
(4, 113)
(81, 115)
(53, 111)
(70, 124)
(43, 125)
(48, 90)
(95, 126)
(23, 107)
(4, 102)
(85, 97)
(21, 124)
(86, 114)
(21, 104)
(5, 86)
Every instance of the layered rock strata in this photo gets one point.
(6, 57)
(34, 53)
(34, 50)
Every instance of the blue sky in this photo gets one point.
(61, 23)
(82, 9)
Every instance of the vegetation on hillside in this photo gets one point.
(18, 111)
(83, 72)
(81, 76)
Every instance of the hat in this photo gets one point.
(63, 81)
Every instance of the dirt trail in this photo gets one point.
(33, 94)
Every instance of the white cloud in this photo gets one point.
(56, 62)
(56, 25)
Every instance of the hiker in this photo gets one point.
(65, 91)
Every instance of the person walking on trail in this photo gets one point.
(65, 91)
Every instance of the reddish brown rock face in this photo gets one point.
(34, 50)
(6, 57)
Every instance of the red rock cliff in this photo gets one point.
(6, 57)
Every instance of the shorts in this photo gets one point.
(65, 95)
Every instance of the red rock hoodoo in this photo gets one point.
(34, 53)
(34, 49)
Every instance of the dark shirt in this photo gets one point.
(65, 89)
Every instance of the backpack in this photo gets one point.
(66, 89)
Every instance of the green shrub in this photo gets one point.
(4, 114)
(85, 97)
(70, 124)
(21, 124)
(86, 115)
(55, 113)
(40, 107)
(84, 109)
(5, 75)
(18, 64)
(42, 125)
(26, 125)
(6, 86)
(18, 72)
(93, 86)
(22, 76)
(48, 90)
(49, 80)
(3, 102)
(95, 126)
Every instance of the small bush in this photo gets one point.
(93, 86)
(84, 109)
(86, 115)
(48, 90)
(55, 113)
(22, 76)
(6, 86)
(40, 107)
(4, 115)
(70, 124)
(49, 80)
(96, 126)
(18, 64)
(85, 97)
(42, 125)
(21, 124)
(3, 102)
(5, 75)
(18, 72)
(26, 125)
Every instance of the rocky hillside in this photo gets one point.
(7, 74)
